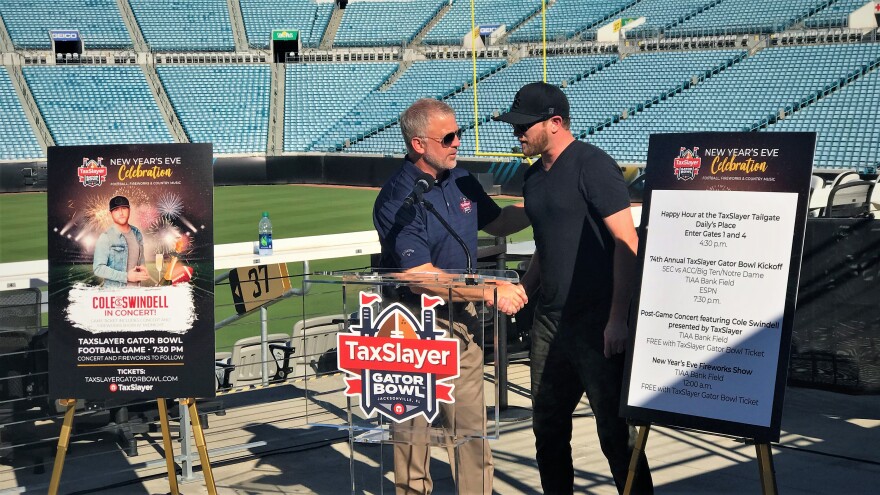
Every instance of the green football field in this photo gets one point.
(296, 211)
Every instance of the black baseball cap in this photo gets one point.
(118, 201)
(535, 102)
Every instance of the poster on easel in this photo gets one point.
(722, 236)
(131, 258)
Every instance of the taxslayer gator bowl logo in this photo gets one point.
(687, 165)
(401, 367)
(92, 173)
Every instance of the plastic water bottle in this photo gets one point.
(265, 241)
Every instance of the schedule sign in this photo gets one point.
(724, 222)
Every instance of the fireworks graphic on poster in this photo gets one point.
(168, 236)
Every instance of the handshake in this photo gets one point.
(511, 298)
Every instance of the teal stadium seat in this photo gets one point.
(191, 25)
(565, 18)
(98, 21)
(229, 106)
(17, 139)
(384, 23)
(456, 23)
(747, 16)
(97, 104)
(308, 17)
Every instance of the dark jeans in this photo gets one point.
(566, 361)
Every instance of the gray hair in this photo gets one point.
(414, 120)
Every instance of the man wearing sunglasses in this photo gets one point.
(584, 265)
(414, 241)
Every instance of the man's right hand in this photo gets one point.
(138, 274)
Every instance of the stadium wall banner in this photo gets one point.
(285, 34)
(611, 32)
(22, 177)
(723, 224)
(64, 35)
(131, 264)
(239, 170)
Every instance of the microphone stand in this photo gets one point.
(470, 269)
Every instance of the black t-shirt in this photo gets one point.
(566, 206)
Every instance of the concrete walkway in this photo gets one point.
(830, 444)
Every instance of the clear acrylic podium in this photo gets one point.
(387, 371)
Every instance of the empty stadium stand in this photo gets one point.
(227, 105)
(747, 16)
(318, 95)
(659, 15)
(378, 23)
(17, 139)
(834, 15)
(97, 104)
(567, 18)
(745, 97)
(690, 66)
(383, 106)
(99, 22)
(310, 18)
(840, 143)
(457, 22)
(193, 25)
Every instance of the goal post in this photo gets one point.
(474, 34)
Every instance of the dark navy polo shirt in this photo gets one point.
(412, 236)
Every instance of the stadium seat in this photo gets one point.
(208, 27)
(850, 200)
(17, 138)
(308, 17)
(230, 109)
(98, 21)
(315, 340)
(247, 361)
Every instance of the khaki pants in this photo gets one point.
(465, 417)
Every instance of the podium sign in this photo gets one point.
(409, 364)
(131, 262)
(723, 219)
(402, 365)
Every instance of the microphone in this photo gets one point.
(423, 184)
(454, 234)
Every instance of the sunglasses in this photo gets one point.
(523, 128)
(448, 139)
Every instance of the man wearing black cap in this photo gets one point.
(584, 266)
(119, 252)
